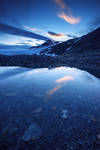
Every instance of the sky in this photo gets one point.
(31, 22)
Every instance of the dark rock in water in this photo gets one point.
(33, 132)
(8, 131)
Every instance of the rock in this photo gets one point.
(8, 131)
(38, 110)
(64, 114)
(33, 132)
(98, 137)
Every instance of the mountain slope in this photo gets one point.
(91, 41)
(45, 48)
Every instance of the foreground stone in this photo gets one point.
(86, 60)
(33, 132)
(8, 131)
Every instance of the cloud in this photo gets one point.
(55, 34)
(60, 3)
(72, 36)
(69, 19)
(32, 29)
(20, 32)
(22, 43)
(11, 47)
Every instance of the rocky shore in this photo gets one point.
(88, 61)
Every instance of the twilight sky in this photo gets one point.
(29, 22)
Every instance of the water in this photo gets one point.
(63, 102)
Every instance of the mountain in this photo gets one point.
(61, 48)
(90, 41)
(86, 43)
(44, 48)
(82, 53)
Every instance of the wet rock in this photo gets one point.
(8, 131)
(33, 132)
(98, 137)
(38, 110)
(64, 114)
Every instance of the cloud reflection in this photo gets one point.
(52, 91)
(32, 72)
(64, 79)
(60, 83)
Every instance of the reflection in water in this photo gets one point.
(60, 83)
(7, 72)
(32, 72)
(73, 108)
(52, 91)
(64, 79)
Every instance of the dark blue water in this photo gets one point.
(63, 102)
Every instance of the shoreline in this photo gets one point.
(80, 61)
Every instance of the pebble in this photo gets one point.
(64, 114)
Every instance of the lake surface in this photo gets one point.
(63, 102)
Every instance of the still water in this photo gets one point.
(63, 103)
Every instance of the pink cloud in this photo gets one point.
(68, 18)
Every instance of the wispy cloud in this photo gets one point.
(20, 32)
(32, 29)
(56, 35)
(60, 3)
(69, 19)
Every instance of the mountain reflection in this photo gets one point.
(37, 71)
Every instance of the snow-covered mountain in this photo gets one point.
(45, 48)
(88, 42)
(91, 41)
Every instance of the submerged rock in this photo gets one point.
(33, 132)
(64, 114)
(8, 130)
(98, 137)
(38, 110)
